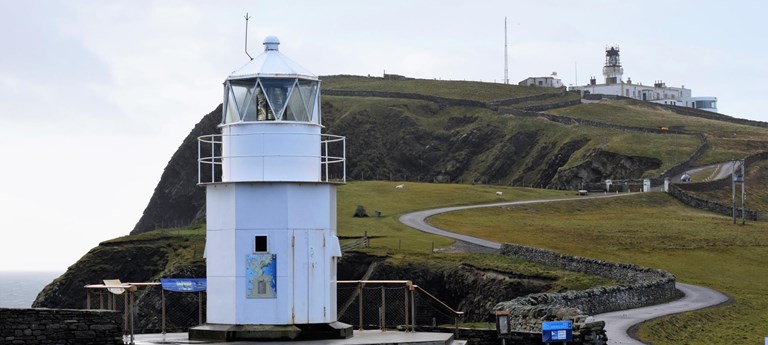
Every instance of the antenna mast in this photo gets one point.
(506, 60)
(246, 35)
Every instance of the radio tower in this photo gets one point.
(506, 60)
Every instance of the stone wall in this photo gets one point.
(60, 326)
(640, 286)
(567, 120)
(682, 167)
(583, 334)
(404, 95)
(710, 205)
(683, 192)
(518, 100)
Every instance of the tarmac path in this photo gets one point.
(618, 323)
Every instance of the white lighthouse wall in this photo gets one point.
(271, 151)
(299, 220)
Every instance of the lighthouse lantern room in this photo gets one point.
(270, 178)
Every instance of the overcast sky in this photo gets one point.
(95, 96)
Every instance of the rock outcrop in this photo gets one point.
(177, 200)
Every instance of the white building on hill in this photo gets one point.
(659, 92)
(551, 81)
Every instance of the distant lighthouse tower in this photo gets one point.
(612, 69)
(271, 245)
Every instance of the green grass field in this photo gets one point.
(653, 230)
(727, 140)
(649, 229)
(481, 91)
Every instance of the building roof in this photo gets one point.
(271, 63)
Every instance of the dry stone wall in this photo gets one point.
(639, 286)
(60, 327)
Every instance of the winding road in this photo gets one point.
(618, 323)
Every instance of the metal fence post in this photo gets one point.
(199, 307)
(405, 310)
(413, 310)
(360, 302)
(132, 306)
(162, 299)
(125, 314)
(383, 310)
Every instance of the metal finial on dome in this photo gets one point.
(271, 43)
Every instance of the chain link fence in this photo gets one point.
(391, 305)
(154, 310)
(366, 305)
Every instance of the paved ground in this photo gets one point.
(617, 323)
(724, 170)
(696, 297)
(358, 338)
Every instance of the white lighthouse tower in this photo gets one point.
(271, 245)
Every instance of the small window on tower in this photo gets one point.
(261, 244)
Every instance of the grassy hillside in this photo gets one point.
(654, 230)
(728, 140)
(756, 184)
(473, 90)
(394, 135)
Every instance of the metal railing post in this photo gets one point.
(327, 178)
(360, 302)
(383, 315)
(162, 298)
(199, 307)
(199, 161)
(125, 314)
(405, 298)
(213, 158)
(132, 306)
(413, 311)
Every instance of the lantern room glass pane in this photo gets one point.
(232, 115)
(309, 95)
(249, 109)
(263, 111)
(296, 110)
(240, 92)
(277, 91)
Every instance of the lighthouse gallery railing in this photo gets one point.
(210, 157)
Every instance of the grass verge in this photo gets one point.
(654, 230)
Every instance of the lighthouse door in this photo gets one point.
(309, 285)
(318, 282)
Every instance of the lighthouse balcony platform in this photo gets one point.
(271, 157)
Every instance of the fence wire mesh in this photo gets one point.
(154, 310)
(370, 305)
(374, 305)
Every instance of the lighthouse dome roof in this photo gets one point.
(271, 63)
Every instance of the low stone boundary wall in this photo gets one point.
(640, 286)
(583, 334)
(392, 94)
(60, 326)
(683, 193)
(710, 205)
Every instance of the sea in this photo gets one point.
(19, 289)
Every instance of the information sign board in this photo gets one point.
(183, 284)
(556, 331)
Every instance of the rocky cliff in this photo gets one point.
(177, 200)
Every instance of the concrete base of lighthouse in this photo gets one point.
(220, 332)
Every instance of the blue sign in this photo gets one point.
(556, 331)
(183, 284)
